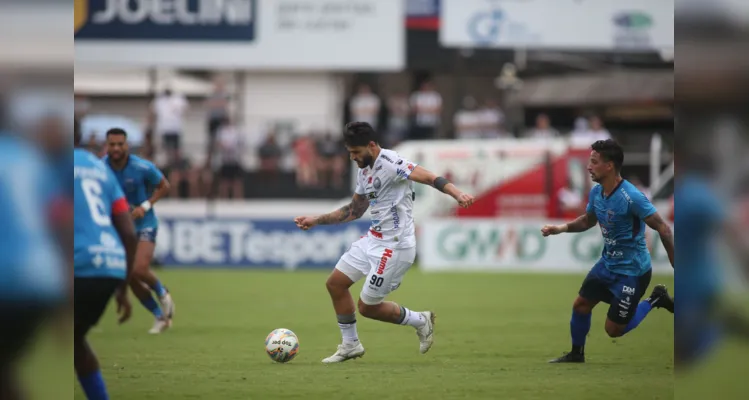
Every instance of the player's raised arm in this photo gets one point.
(426, 177)
(347, 213)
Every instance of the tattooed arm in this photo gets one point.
(664, 230)
(347, 213)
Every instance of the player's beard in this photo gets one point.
(366, 161)
(118, 156)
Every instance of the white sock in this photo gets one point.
(348, 331)
(412, 318)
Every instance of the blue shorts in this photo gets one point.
(147, 235)
(621, 292)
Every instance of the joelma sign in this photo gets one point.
(193, 20)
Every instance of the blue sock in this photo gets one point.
(94, 387)
(151, 305)
(158, 288)
(642, 311)
(579, 328)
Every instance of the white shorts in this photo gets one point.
(383, 266)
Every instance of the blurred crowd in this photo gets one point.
(316, 160)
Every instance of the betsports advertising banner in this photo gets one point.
(469, 244)
(241, 34)
(252, 243)
(606, 25)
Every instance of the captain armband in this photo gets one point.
(440, 183)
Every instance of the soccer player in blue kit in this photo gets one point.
(143, 185)
(622, 275)
(104, 252)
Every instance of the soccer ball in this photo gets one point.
(282, 345)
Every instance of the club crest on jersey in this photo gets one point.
(377, 183)
(610, 216)
(364, 172)
(369, 180)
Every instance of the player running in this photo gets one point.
(384, 183)
(143, 185)
(101, 263)
(623, 273)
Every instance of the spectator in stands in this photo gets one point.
(182, 173)
(168, 112)
(595, 132)
(491, 120)
(571, 200)
(467, 120)
(218, 111)
(330, 162)
(426, 107)
(230, 146)
(270, 159)
(306, 162)
(399, 118)
(543, 128)
(365, 106)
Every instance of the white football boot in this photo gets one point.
(160, 325)
(426, 332)
(345, 352)
(167, 306)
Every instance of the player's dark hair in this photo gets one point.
(610, 151)
(359, 134)
(117, 131)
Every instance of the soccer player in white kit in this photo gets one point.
(384, 184)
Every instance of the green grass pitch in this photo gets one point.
(493, 336)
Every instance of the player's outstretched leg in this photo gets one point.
(389, 311)
(582, 312)
(338, 285)
(143, 260)
(659, 298)
(142, 292)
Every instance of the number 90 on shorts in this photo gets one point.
(383, 267)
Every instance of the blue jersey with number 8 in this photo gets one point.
(98, 249)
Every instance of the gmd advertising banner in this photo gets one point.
(507, 245)
(241, 34)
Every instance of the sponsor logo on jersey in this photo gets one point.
(371, 195)
(386, 158)
(626, 195)
(402, 173)
(628, 290)
(377, 183)
(399, 162)
(379, 167)
(387, 254)
(396, 217)
(410, 167)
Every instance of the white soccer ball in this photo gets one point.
(282, 345)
